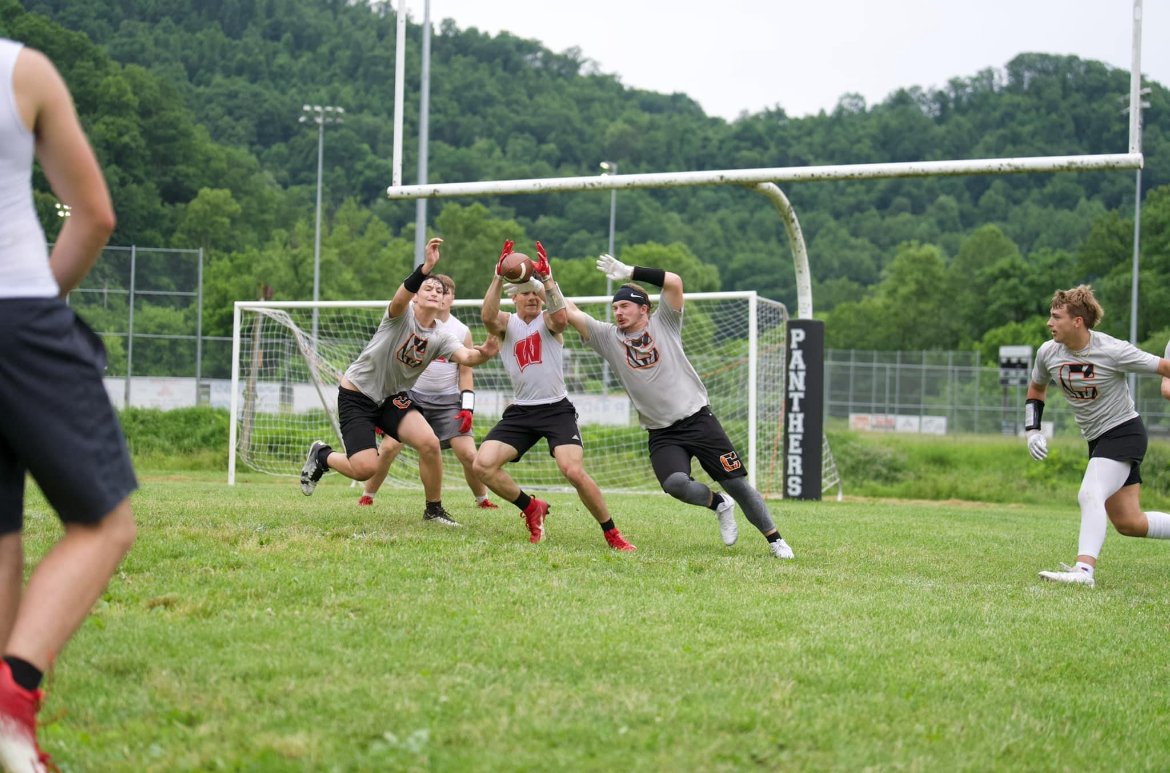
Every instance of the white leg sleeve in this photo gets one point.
(1103, 478)
(1159, 525)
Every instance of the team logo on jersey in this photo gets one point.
(1076, 379)
(641, 351)
(401, 401)
(730, 461)
(413, 352)
(528, 351)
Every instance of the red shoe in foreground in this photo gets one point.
(618, 542)
(534, 516)
(487, 504)
(18, 726)
(366, 500)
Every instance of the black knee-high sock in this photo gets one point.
(24, 673)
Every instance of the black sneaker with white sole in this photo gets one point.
(439, 515)
(312, 471)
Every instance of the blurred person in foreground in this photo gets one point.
(58, 424)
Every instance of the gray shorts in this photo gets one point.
(58, 424)
(439, 411)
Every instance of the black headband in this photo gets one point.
(630, 294)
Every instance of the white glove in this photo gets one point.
(614, 268)
(1037, 444)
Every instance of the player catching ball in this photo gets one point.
(1090, 368)
(532, 350)
(644, 350)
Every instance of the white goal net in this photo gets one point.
(284, 390)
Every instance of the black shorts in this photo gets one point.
(522, 425)
(699, 436)
(58, 424)
(359, 416)
(1126, 442)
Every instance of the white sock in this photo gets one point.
(1159, 525)
(1084, 567)
(481, 499)
(370, 494)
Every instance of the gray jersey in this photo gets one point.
(535, 360)
(1093, 379)
(652, 367)
(397, 354)
(441, 377)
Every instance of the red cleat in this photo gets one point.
(618, 542)
(18, 726)
(534, 516)
(487, 504)
(366, 500)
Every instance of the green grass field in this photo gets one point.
(254, 629)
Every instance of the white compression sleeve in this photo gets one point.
(1159, 527)
(1103, 478)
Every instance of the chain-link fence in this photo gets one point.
(147, 304)
(951, 392)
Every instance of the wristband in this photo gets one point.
(467, 400)
(556, 299)
(654, 276)
(415, 280)
(1033, 410)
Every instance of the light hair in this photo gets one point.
(1079, 302)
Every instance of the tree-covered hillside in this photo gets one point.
(194, 108)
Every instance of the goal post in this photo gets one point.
(284, 389)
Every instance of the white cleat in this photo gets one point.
(1071, 575)
(726, 515)
(780, 549)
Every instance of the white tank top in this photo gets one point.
(24, 256)
(534, 358)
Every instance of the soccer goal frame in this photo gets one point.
(284, 388)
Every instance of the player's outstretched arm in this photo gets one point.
(477, 355)
(1164, 369)
(671, 284)
(69, 165)
(409, 287)
(578, 319)
(493, 319)
(1033, 411)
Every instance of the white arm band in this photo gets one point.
(467, 401)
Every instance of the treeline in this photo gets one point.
(194, 109)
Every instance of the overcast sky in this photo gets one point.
(802, 55)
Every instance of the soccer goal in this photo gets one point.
(284, 390)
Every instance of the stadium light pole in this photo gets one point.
(1131, 378)
(610, 167)
(320, 115)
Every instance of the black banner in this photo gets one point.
(804, 409)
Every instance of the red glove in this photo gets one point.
(543, 270)
(464, 418)
(467, 402)
(503, 254)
